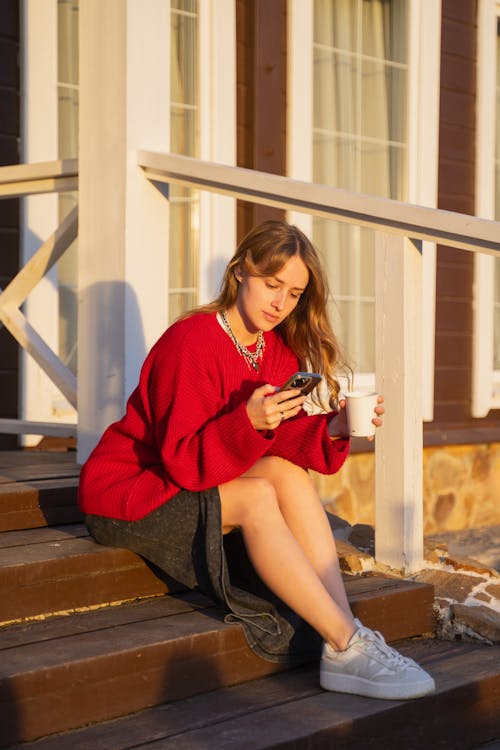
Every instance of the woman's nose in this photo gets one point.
(279, 300)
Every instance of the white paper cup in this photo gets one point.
(360, 407)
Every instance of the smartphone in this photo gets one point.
(306, 381)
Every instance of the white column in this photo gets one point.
(399, 450)
(123, 226)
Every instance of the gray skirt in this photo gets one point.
(183, 538)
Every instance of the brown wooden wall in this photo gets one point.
(261, 97)
(9, 209)
(453, 372)
(456, 192)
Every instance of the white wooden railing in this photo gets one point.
(16, 182)
(398, 301)
(400, 228)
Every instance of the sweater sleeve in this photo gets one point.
(304, 441)
(204, 438)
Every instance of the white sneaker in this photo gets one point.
(370, 667)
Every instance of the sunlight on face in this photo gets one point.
(265, 301)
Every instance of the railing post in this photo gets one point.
(399, 451)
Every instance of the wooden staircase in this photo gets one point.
(97, 652)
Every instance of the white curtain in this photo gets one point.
(360, 94)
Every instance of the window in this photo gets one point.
(184, 139)
(373, 107)
(486, 351)
(202, 125)
(67, 96)
(360, 138)
(496, 293)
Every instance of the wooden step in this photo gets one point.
(65, 672)
(289, 710)
(38, 489)
(29, 505)
(60, 569)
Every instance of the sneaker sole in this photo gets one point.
(359, 686)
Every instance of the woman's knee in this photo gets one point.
(248, 502)
(284, 473)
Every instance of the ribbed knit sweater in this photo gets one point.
(186, 424)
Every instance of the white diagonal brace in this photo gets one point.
(32, 342)
(41, 262)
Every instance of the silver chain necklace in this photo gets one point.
(251, 358)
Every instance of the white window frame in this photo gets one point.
(39, 399)
(423, 140)
(485, 380)
(217, 123)
(217, 138)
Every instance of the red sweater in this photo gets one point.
(186, 424)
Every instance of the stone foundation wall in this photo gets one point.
(461, 488)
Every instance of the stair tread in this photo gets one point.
(19, 464)
(61, 568)
(85, 667)
(29, 502)
(35, 538)
(14, 635)
(288, 709)
(105, 618)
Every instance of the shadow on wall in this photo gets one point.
(111, 352)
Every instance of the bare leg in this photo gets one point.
(301, 507)
(250, 503)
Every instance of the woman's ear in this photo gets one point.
(238, 274)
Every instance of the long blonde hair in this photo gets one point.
(307, 329)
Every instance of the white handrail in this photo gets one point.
(383, 214)
(41, 177)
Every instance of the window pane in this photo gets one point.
(190, 6)
(385, 29)
(184, 135)
(337, 155)
(335, 98)
(68, 122)
(67, 40)
(360, 92)
(383, 101)
(183, 59)
(335, 23)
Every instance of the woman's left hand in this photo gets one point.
(337, 426)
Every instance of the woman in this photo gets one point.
(210, 445)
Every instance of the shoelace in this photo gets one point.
(377, 641)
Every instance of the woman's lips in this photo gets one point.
(271, 318)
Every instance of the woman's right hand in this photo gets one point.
(267, 407)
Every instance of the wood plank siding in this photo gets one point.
(261, 97)
(453, 369)
(9, 209)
